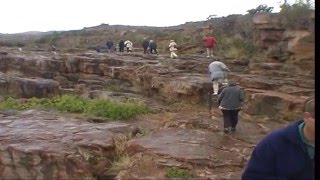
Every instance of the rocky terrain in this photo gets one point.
(180, 137)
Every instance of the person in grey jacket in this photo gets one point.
(218, 73)
(230, 102)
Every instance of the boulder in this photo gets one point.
(28, 87)
(274, 105)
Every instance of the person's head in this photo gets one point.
(308, 115)
(171, 40)
(232, 83)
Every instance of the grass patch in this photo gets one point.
(76, 104)
(174, 172)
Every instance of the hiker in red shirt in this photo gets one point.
(209, 42)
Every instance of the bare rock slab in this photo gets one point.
(50, 145)
(193, 146)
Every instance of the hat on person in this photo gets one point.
(171, 40)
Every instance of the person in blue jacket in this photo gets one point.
(109, 44)
(286, 153)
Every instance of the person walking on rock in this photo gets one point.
(145, 45)
(109, 45)
(153, 47)
(173, 48)
(209, 43)
(288, 152)
(230, 102)
(218, 74)
(121, 45)
(128, 44)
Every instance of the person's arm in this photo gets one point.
(220, 97)
(261, 164)
(224, 67)
(241, 95)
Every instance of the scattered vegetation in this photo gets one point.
(71, 103)
(121, 160)
(260, 8)
(12, 43)
(296, 16)
(48, 39)
(174, 172)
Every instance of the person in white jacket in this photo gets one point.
(128, 44)
(173, 48)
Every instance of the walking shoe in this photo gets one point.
(226, 130)
(214, 94)
(233, 129)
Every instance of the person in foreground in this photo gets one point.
(286, 153)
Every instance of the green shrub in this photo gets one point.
(9, 103)
(70, 103)
(174, 172)
(114, 110)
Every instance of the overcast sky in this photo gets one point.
(46, 15)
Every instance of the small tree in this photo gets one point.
(260, 8)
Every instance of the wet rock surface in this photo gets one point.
(37, 144)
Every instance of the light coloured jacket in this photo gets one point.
(128, 44)
(172, 46)
(217, 70)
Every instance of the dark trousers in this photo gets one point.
(121, 49)
(145, 50)
(230, 118)
(153, 49)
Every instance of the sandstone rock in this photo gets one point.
(269, 30)
(300, 44)
(28, 87)
(50, 145)
(275, 105)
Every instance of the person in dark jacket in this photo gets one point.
(286, 153)
(153, 47)
(145, 45)
(109, 45)
(230, 102)
(121, 45)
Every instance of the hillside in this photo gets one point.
(237, 35)
(76, 113)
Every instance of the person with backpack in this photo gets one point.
(209, 42)
(153, 47)
(128, 44)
